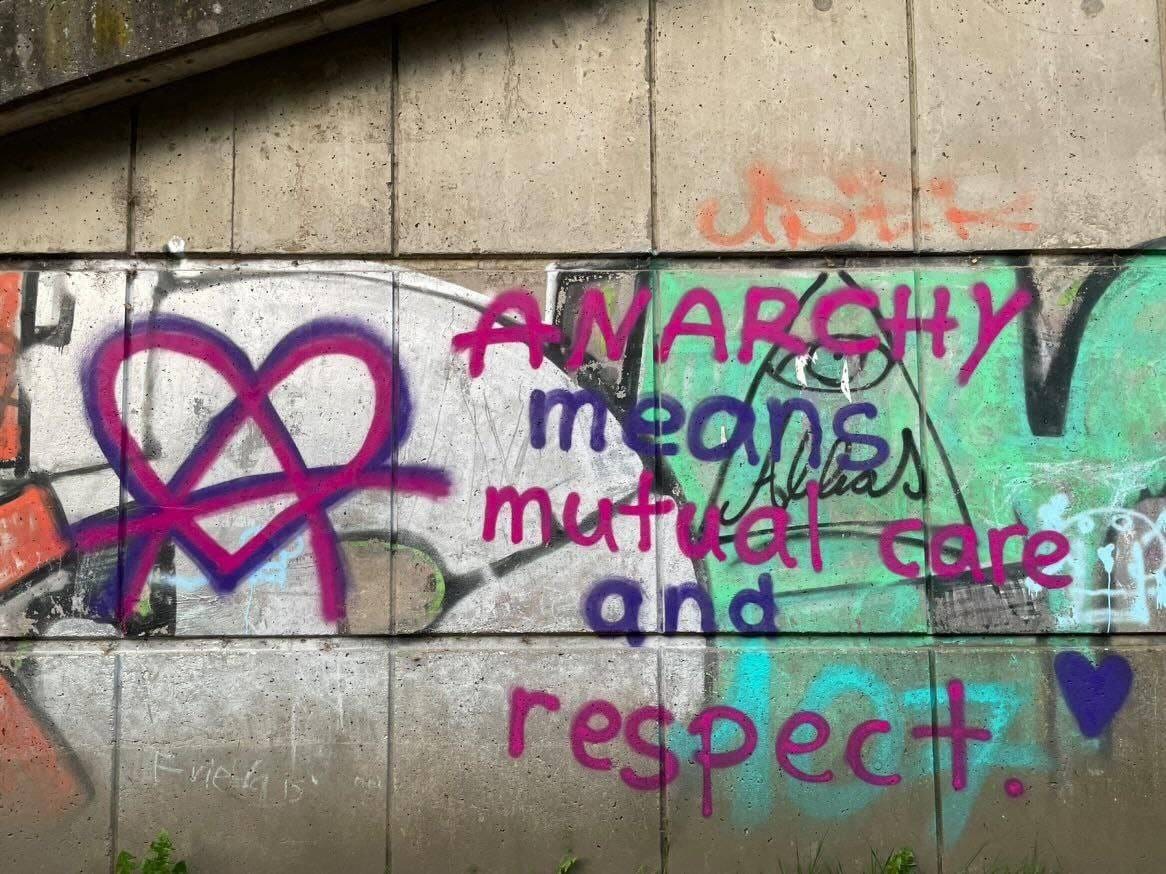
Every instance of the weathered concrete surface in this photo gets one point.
(289, 153)
(524, 128)
(58, 58)
(1086, 80)
(1091, 803)
(282, 769)
(497, 135)
(486, 276)
(459, 796)
(64, 186)
(313, 147)
(812, 96)
(57, 737)
(183, 179)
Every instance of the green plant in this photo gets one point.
(568, 863)
(899, 862)
(157, 862)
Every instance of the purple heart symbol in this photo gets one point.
(1094, 694)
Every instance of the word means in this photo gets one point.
(660, 415)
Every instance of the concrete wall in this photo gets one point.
(258, 585)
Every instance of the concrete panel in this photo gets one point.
(465, 796)
(56, 759)
(758, 815)
(55, 477)
(65, 185)
(312, 147)
(281, 768)
(782, 126)
(1070, 775)
(524, 128)
(1086, 166)
(487, 276)
(184, 167)
(478, 430)
(256, 575)
(732, 461)
(1056, 431)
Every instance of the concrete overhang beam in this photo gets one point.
(61, 57)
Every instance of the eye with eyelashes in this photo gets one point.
(823, 370)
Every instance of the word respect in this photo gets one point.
(599, 723)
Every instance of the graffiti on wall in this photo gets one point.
(892, 530)
(721, 452)
(862, 199)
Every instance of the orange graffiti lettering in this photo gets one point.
(943, 190)
(864, 201)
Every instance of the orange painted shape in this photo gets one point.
(37, 777)
(10, 436)
(30, 536)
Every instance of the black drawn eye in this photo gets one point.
(822, 371)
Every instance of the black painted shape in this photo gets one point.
(1046, 395)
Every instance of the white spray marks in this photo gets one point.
(800, 367)
(845, 382)
(1105, 556)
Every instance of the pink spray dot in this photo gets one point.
(1013, 787)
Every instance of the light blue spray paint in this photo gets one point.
(884, 753)
(984, 757)
(274, 572)
(754, 689)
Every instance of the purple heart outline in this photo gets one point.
(169, 510)
(1094, 695)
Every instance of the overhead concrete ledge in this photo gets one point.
(61, 57)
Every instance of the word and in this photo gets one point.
(600, 722)
(630, 594)
(529, 330)
(171, 510)
(865, 194)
